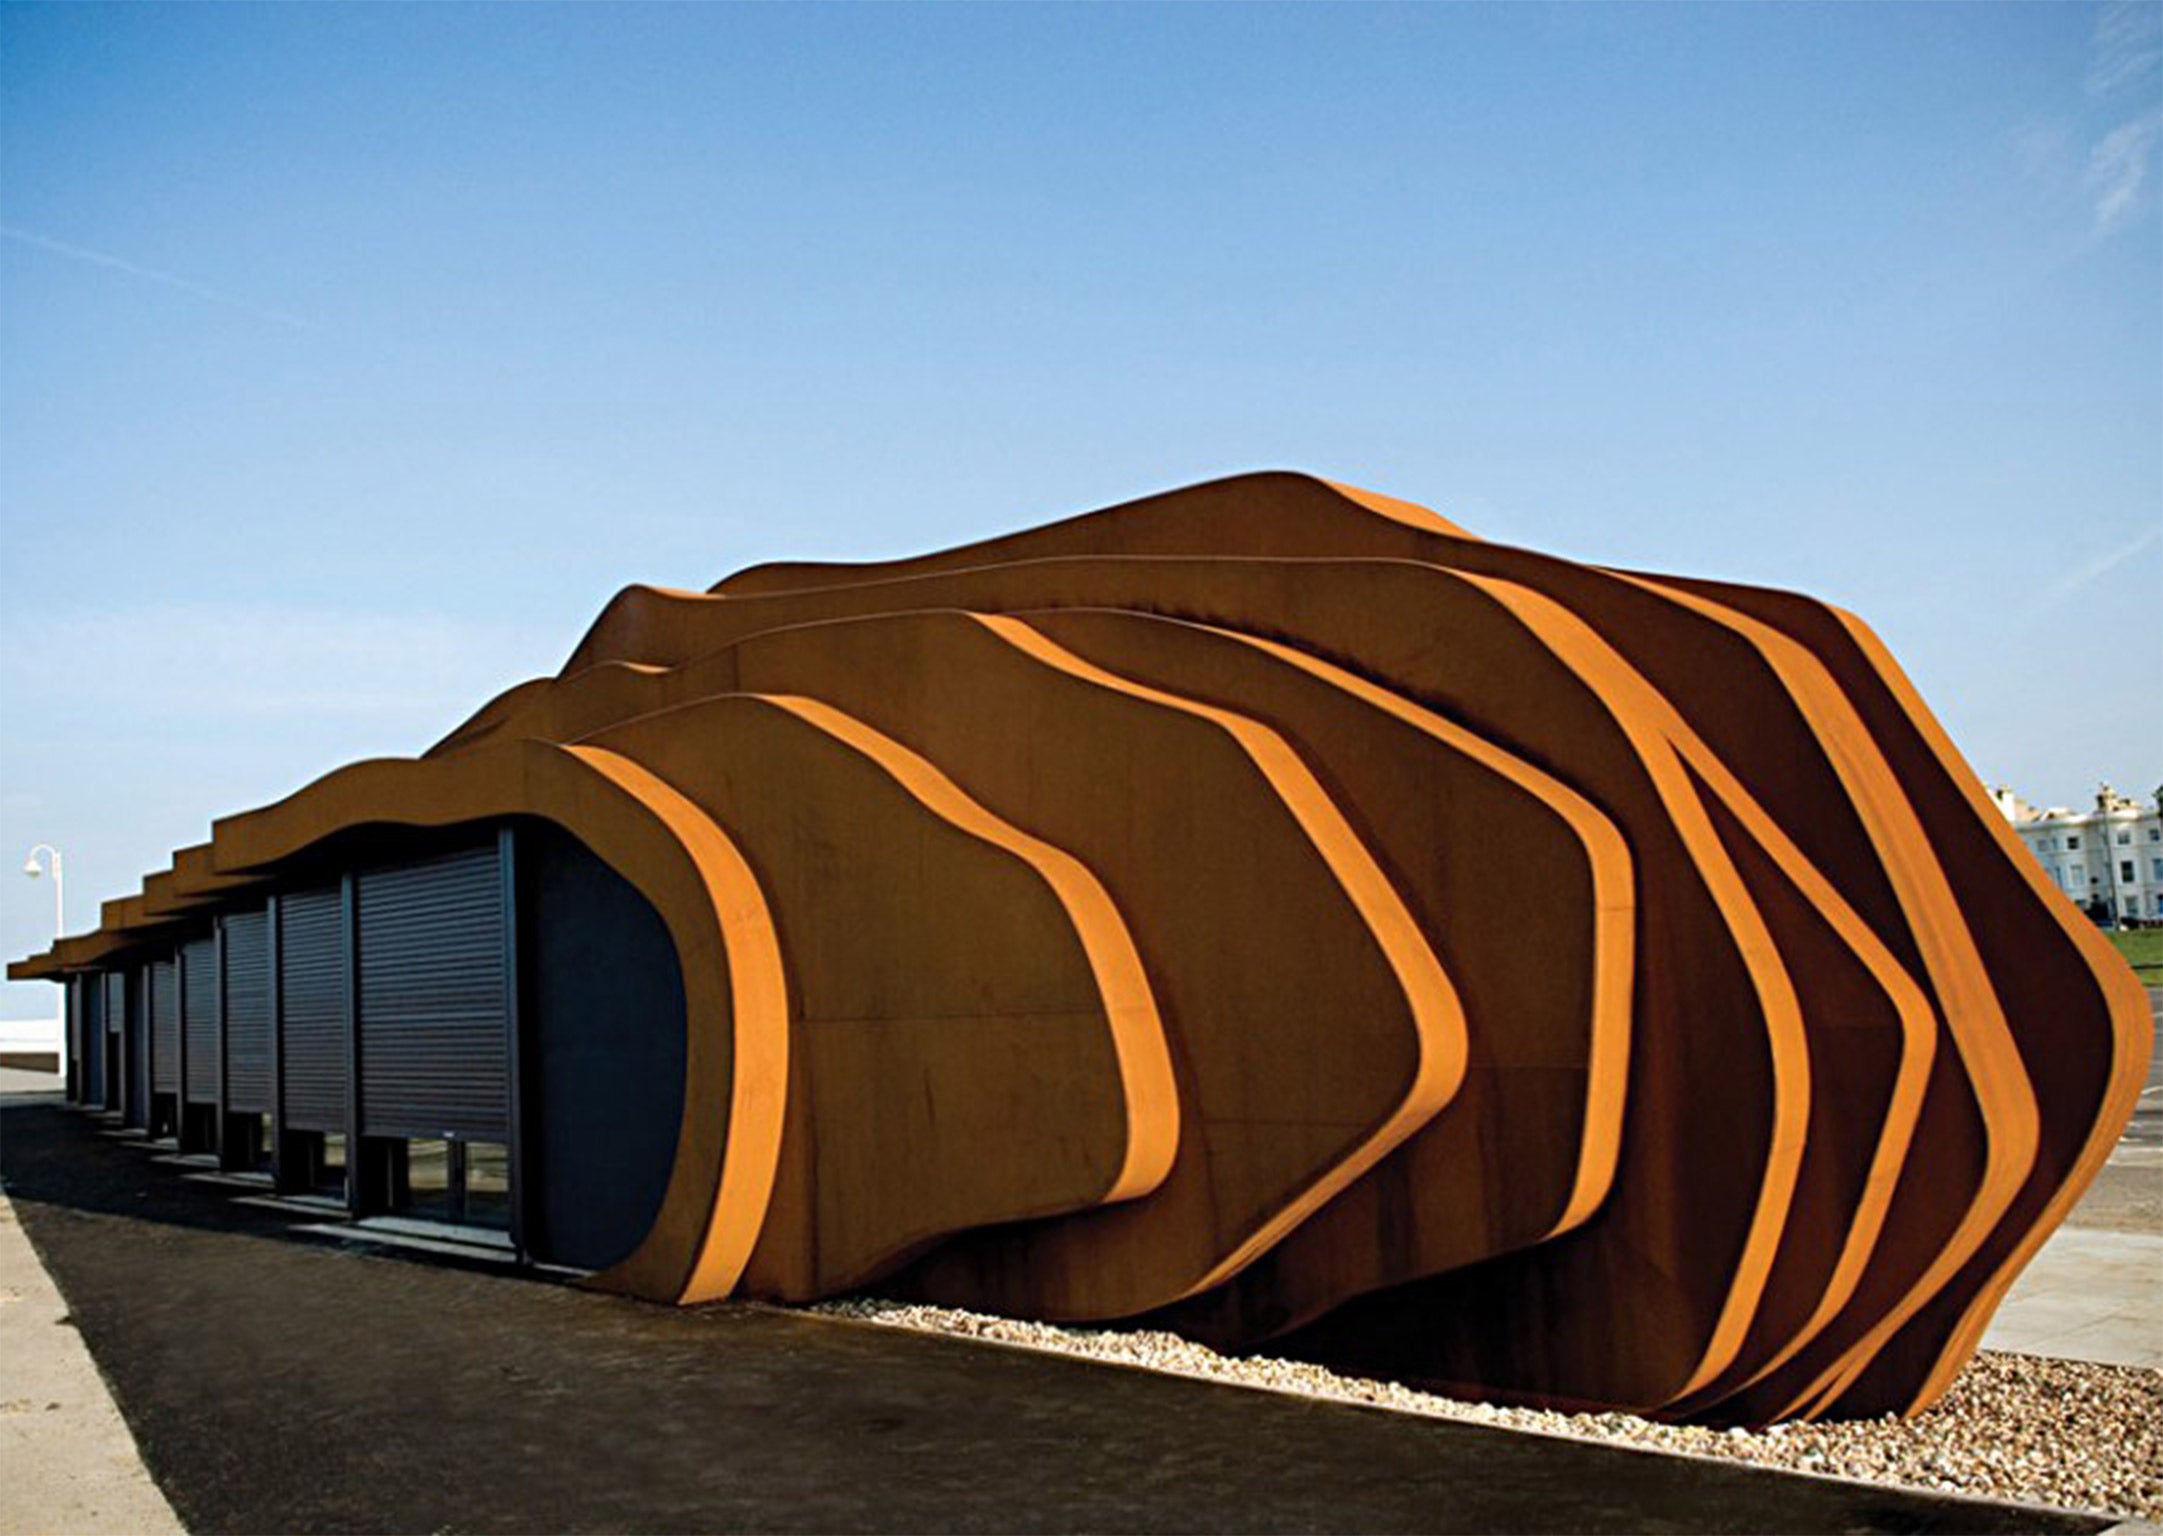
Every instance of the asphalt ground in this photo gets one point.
(280, 1382)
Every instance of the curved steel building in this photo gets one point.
(1265, 909)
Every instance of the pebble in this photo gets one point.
(2026, 1428)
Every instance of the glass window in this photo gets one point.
(2072, 842)
(2124, 838)
(328, 1164)
(428, 1180)
(457, 1181)
(2157, 866)
(2125, 871)
(488, 1184)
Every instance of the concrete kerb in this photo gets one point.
(68, 1462)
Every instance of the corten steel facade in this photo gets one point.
(1100, 923)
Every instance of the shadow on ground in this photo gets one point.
(281, 1384)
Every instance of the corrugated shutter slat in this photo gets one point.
(164, 1026)
(247, 1013)
(199, 1018)
(311, 973)
(434, 1005)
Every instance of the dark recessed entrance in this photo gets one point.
(482, 1026)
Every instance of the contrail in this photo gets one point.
(101, 259)
(2072, 581)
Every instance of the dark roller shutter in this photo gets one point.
(84, 998)
(247, 1013)
(311, 1005)
(434, 1003)
(107, 1012)
(72, 1043)
(199, 1018)
(164, 1027)
(124, 998)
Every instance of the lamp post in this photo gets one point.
(53, 864)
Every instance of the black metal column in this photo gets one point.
(280, 1161)
(514, 1152)
(218, 1127)
(356, 1166)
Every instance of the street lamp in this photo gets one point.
(30, 868)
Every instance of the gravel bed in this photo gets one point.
(2020, 1427)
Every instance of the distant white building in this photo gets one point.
(2109, 860)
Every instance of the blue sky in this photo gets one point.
(350, 357)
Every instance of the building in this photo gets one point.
(2108, 860)
(1103, 923)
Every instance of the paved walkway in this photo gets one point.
(67, 1461)
(2095, 1292)
(2089, 1295)
(279, 1382)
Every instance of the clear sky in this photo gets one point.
(350, 357)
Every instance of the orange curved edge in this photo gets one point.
(1917, 1026)
(2125, 1002)
(1098, 531)
(1969, 1009)
(1437, 1017)
(1409, 513)
(1646, 715)
(1614, 914)
(1139, 1048)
